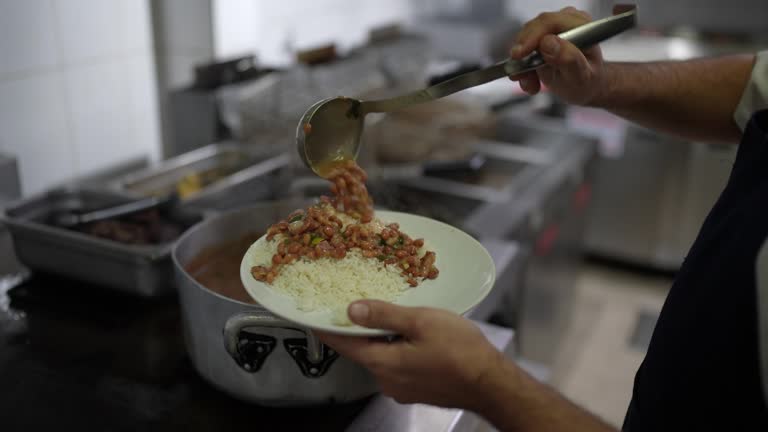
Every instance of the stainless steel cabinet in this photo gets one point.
(651, 199)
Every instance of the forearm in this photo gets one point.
(513, 401)
(694, 99)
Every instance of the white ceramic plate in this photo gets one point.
(467, 274)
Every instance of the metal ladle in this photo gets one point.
(330, 130)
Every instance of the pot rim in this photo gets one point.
(210, 220)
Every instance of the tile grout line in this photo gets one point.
(64, 93)
(62, 66)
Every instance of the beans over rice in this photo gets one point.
(342, 229)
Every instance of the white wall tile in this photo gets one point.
(95, 29)
(99, 99)
(267, 28)
(87, 29)
(135, 25)
(33, 127)
(372, 14)
(77, 87)
(26, 36)
(526, 10)
(235, 27)
(143, 110)
(188, 26)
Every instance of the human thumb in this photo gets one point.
(382, 315)
(565, 57)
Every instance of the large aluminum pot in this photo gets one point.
(241, 348)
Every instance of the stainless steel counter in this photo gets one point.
(8, 262)
(10, 190)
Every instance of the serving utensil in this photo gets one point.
(330, 130)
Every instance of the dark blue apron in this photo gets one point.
(702, 369)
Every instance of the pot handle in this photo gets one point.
(251, 351)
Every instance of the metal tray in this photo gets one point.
(242, 175)
(143, 270)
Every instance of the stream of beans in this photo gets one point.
(319, 232)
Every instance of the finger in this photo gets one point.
(383, 315)
(522, 76)
(576, 12)
(569, 61)
(593, 53)
(361, 350)
(530, 85)
(546, 74)
(544, 24)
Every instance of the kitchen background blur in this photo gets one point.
(586, 216)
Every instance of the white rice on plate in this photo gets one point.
(332, 284)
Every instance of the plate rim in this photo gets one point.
(357, 330)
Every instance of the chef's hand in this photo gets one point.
(571, 74)
(442, 359)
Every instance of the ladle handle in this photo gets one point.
(584, 36)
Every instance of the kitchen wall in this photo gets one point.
(77, 87)
(183, 32)
(738, 16)
(527, 9)
(183, 35)
(273, 29)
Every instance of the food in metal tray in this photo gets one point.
(143, 228)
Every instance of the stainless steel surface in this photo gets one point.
(112, 173)
(655, 223)
(276, 372)
(469, 39)
(636, 193)
(259, 182)
(470, 165)
(243, 175)
(329, 131)
(134, 269)
(10, 190)
(10, 185)
(556, 228)
(384, 414)
(511, 260)
(70, 218)
(518, 152)
(508, 168)
(9, 265)
(260, 321)
(709, 18)
(331, 128)
(497, 181)
(653, 191)
(548, 218)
